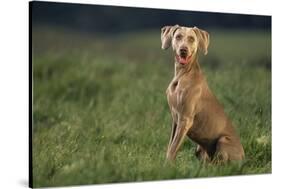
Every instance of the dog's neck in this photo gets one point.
(192, 66)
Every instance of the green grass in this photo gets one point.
(100, 113)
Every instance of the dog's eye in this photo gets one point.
(191, 39)
(178, 37)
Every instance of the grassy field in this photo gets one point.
(100, 113)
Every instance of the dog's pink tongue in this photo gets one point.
(183, 60)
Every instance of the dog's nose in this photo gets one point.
(183, 50)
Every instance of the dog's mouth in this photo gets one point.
(183, 59)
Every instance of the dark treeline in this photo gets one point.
(97, 18)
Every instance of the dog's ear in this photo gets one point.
(167, 33)
(203, 39)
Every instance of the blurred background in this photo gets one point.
(99, 78)
(112, 19)
(86, 24)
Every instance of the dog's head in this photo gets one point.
(185, 41)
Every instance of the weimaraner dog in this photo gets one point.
(195, 111)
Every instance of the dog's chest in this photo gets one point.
(174, 93)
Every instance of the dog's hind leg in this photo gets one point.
(227, 149)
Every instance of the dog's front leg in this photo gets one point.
(173, 131)
(184, 124)
(187, 101)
